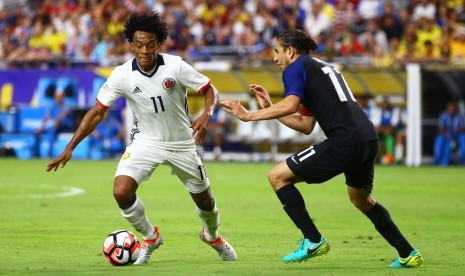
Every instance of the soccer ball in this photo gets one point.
(121, 247)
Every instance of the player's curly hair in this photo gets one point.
(298, 39)
(147, 22)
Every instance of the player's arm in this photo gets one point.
(302, 123)
(88, 124)
(200, 124)
(299, 122)
(287, 106)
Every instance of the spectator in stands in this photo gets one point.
(373, 36)
(424, 9)
(317, 21)
(428, 30)
(408, 46)
(369, 9)
(461, 13)
(220, 23)
(390, 22)
(270, 29)
(329, 47)
(430, 53)
(56, 41)
(351, 46)
(108, 136)
(102, 49)
(38, 45)
(197, 51)
(382, 58)
(343, 16)
(457, 45)
(57, 120)
(445, 52)
(451, 136)
(367, 104)
(388, 120)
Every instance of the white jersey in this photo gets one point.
(158, 100)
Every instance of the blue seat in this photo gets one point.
(47, 86)
(23, 144)
(80, 152)
(7, 122)
(30, 119)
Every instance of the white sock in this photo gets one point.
(399, 152)
(210, 221)
(136, 217)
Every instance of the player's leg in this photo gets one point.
(442, 150)
(133, 210)
(390, 142)
(282, 180)
(208, 213)
(131, 206)
(461, 148)
(189, 168)
(360, 184)
(312, 165)
(136, 166)
(399, 148)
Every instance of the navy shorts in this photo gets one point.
(326, 160)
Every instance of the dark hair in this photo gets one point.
(298, 39)
(146, 22)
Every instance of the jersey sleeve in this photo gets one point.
(111, 90)
(190, 77)
(294, 80)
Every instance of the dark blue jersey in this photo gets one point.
(324, 92)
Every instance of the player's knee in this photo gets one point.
(362, 203)
(123, 195)
(276, 180)
(272, 177)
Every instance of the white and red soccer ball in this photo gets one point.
(121, 247)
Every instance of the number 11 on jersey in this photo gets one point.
(155, 105)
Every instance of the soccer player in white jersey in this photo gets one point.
(154, 85)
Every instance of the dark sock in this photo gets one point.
(380, 217)
(294, 205)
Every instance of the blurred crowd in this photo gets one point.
(385, 33)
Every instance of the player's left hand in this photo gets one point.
(200, 126)
(235, 108)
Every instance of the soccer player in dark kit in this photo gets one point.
(322, 95)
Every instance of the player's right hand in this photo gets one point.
(263, 97)
(62, 159)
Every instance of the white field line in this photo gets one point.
(66, 192)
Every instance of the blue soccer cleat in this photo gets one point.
(306, 250)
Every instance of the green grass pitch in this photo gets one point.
(46, 230)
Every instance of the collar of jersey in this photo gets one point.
(160, 61)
